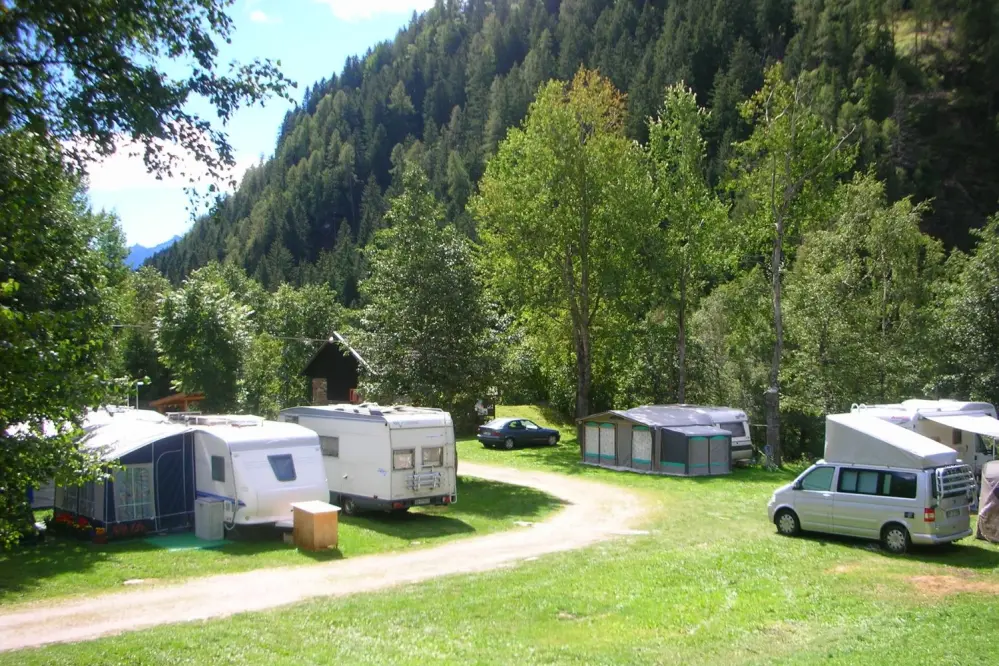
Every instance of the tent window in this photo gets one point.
(218, 469)
(133, 493)
(87, 500)
(283, 466)
(330, 446)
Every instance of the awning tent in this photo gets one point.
(151, 484)
(981, 424)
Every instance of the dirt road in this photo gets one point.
(594, 512)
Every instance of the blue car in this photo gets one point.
(509, 433)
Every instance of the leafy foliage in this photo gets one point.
(203, 333)
(425, 326)
(85, 73)
(60, 265)
(564, 212)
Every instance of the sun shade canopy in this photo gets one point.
(981, 424)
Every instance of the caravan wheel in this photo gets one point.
(348, 505)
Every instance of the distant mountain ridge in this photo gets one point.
(137, 254)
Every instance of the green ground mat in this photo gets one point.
(182, 541)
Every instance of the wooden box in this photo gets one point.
(315, 525)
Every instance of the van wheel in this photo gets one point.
(348, 505)
(895, 539)
(508, 444)
(787, 523)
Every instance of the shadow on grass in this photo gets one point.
(969, 553)
(477, 498)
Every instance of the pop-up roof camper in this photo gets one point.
(970, 428)
(860, 439)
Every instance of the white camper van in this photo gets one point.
(257, 468)
(970, 428)
(385, 458)
(879, 481)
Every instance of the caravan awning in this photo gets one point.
(977, 423)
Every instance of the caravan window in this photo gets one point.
(402, 459)
(283, 466)
(218, 469)
(735, 427)
(330, 446)
(433, 456)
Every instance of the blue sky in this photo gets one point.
(311, 38)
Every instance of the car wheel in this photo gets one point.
(787, 523)
(348, 505)
(895, 539)
(552, 440)
(508, 444)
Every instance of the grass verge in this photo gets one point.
(64, 567)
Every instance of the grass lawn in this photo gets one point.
(711, 584)
(61, 567)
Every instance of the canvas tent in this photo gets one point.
(860, 439)
(988, 503)
(150, 489)
(656, 439)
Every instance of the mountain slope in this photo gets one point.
(445, 91)
(137, 254)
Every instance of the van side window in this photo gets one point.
(330, 446)
(863, 481)
(283, 466)
(819, 478)
(899, 484)
(218, 469)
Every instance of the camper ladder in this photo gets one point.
(423, 480)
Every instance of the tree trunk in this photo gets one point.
(583, 372)
(772, 397)
(681, 342)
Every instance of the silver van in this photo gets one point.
(894, 505)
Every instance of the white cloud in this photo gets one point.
(259, 16)
(356, 10)
(125, 171)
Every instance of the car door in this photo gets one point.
(533, 433)
(515, 431)
(813, 498)
(857, 508)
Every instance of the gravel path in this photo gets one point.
(594, 512)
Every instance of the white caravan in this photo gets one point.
(257, 468)
(386, 458)
(735, 422)
(879, 481)
(970, 428)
